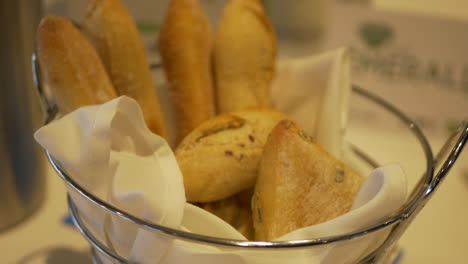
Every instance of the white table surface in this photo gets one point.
(44, 238)
(439, 234)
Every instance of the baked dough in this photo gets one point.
(235, 210)
(244, 56)
(185, 45)
(111, 29)
(70, 66)
(299, 184)
(220, 157)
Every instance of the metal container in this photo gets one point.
(433, 170)
(22, 167)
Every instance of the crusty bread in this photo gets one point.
(70, 66)
(113, 32)
(235, 210)
(244, 56)
(185, 45)
(299, 184)
(220, 157)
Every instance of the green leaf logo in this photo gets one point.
(375, 34)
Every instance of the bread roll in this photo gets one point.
(299, 184)
(235, 210)
(70, 65)
(185, 45)
(244, 56)
(221, 156)
(113, 32)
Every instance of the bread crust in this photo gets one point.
(185, 45)
(235, 210)
(113, 32)
(299, 184)
(220, 157)
(244, 56)
(70, 65)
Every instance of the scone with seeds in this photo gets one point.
(299, 184)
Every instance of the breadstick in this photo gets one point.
(244, 56)
(113, 32)
(185, 45)
(70, 66)
(299, 184)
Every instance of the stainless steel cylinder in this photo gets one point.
(22, 179)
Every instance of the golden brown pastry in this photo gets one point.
(244, 56)
(70, 66)
(220, 157)
(185, 46)
(235, 210)
(113, 32)
(299, 184)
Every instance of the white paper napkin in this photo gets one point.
(110, 152)
(315, 91)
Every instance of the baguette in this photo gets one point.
(185, 46)
(113, 32)
(220, 157)
(70, 66)
(244, 56)
(299, 184)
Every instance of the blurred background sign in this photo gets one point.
(419, 62)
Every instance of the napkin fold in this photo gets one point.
(110, 152)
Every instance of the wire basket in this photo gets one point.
(434, 171)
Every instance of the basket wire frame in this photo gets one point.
(418, 198)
